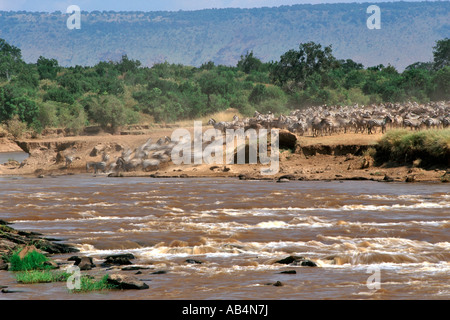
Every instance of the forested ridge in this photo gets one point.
(408, 32)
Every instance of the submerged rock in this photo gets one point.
(288, 272)
(84, 263)
(305, 263)
(159, 272)
(289, 260)
(192, 261)
(276, 284)
(297, 261)
(119, 259)
(126, 282)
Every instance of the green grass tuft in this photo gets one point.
(41, 276)
(87, 284)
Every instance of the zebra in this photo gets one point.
(446, 122)
(221, 126)
(105, 157)
(316, 126)
(69, 161)
(378, 123)
(123, 164)
(164, 140)
(412, 123)
(97, 166)
(152, 164)
(432, 123)
(299, 127)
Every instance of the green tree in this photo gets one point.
(249, 63)
(211, 83)
(59, 94)
(349, 65)
(441, 53)
(258, 94)
(109, 112)
(126, 65)
(417, 83)
(47, 68)
(298, 65)
(441, 82)
(27, 77)
(10, 60)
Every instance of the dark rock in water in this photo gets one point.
(159, 272)
(289, 259)
(192, 261)
(55, 248)
(3, 265)
(3, 223)
(387, 178)
(126, 282)
(5, 290)
(276, 284)
(288, 272)
(305, 263)
(84, 263)
(119, 259)
(297, 261)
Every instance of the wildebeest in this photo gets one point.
(97, 166)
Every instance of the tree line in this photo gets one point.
(116, 93)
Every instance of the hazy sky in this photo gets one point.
(152, 5)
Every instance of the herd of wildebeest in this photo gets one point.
(312, 121)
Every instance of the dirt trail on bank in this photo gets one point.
(336, 157)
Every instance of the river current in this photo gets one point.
(370, 240)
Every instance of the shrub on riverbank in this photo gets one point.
(431, 147)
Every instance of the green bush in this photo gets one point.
(16, 127)
(404, 147)
(32, 261)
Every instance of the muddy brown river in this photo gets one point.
(370, 240)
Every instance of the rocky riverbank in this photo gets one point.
(12, 240)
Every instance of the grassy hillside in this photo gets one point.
(407, 35)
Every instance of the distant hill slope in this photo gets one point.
(408, 33)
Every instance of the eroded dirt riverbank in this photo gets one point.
(337, 157)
